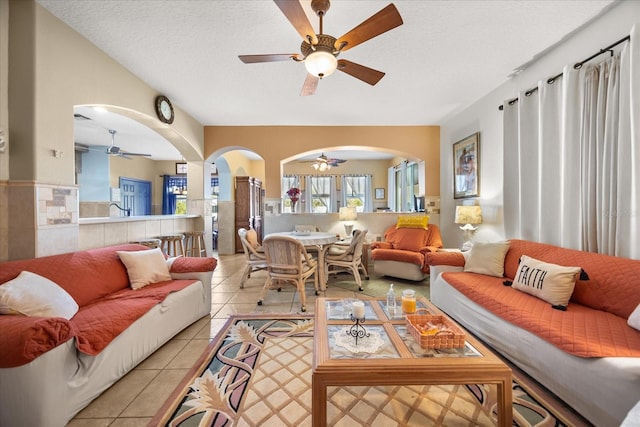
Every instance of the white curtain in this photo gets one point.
(572, 158)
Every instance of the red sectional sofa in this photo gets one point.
(51, 367)
(588, 355)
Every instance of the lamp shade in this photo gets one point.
(468, 215)
(348, 214)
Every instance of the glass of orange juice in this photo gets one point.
(408, 301)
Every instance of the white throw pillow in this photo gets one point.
(33, 295)
(145, 267)
(634, 318)
(487, 258)
(550, 282)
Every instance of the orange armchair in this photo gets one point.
(402, 253)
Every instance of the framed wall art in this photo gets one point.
(181, 168)
(379, 193)
(466, 167)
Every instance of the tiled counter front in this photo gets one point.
(100, 232)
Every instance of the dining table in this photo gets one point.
(318, 239)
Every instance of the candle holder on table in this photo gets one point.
(357, 330)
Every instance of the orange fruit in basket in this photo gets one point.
(426, 332)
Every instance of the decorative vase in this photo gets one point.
(293, 205)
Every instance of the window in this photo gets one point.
(406, 182)
(320, 193)
(354, 192)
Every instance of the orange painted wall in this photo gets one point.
(277, 143)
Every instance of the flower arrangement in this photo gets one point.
(293, 194)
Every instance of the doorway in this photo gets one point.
(136, 195)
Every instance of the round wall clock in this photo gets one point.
(164, 109)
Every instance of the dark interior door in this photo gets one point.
(136, 195)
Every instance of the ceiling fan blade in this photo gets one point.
(310, 85)
(366, 74)
(123, 153)
(295, 14)
(252, 59)
(383, 21)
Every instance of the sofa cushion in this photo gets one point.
(413, 221)
(70, 271)
(581, 331)
(32, 295)
(613, 281)
(410, 257)
(487, 258)
(145, 267)
(550, 282)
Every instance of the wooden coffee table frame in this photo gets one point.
(403, 370)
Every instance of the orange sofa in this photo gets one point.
(52, 367)
(402, 253)
(587, 354)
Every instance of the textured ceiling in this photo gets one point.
(446, 55)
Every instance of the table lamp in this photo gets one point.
(348, 214)
(469, 216)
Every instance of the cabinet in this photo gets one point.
(248, 207)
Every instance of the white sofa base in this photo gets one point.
(54, 387)
(402, 270)
(602, 390)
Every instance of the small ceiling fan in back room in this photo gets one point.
(113, 150)
(319, 52)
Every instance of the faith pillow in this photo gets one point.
(549, 282)
(145, 267)
(32, 295)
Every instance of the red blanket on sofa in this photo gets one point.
(581, 331)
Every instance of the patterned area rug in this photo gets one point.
(257, 372)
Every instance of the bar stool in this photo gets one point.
(172, 245)
(150, 243)
(195, 244)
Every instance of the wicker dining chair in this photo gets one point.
(348, 259)
(288, 262)
(254, 257)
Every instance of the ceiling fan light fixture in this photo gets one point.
(321, 63)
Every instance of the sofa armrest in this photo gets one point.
(191, 264)
(455, 259)
(381, 245)
(24, 338)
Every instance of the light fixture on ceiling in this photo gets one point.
(322, 163)
(320, 61)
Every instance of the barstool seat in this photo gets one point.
(150, 243)
(172, 245)
(195, 244)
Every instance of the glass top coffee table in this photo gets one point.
(391, 356)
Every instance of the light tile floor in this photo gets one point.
(135, 399)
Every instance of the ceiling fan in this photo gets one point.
(319, 51)
(323, 163)
(115, 151)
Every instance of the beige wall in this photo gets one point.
(277, 143)
(46, 68)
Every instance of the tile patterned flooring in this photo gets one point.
(135, 399)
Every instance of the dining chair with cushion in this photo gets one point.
(254, 256)
(288, 262)
(348, 258)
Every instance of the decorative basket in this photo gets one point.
(452, 338)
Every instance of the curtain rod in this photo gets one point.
(576, 66)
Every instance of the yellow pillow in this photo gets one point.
(413, 221)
